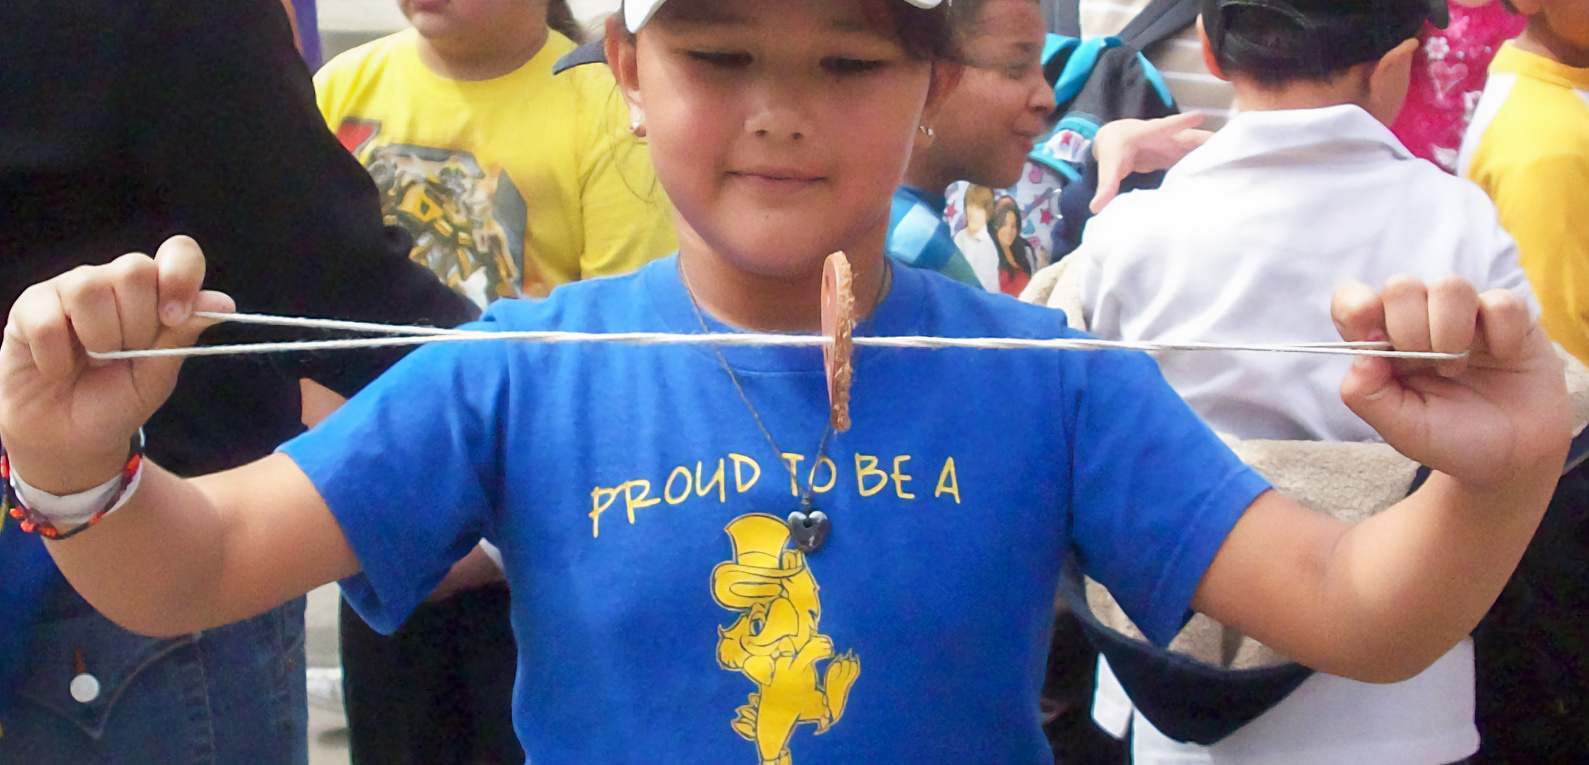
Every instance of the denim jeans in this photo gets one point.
(234, 694)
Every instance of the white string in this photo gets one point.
(350, 326)
(418, 335)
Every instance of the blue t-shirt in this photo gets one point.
(918, 236)
(662, 614)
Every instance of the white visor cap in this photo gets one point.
(637, 12)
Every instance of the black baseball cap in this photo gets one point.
(1337, 33)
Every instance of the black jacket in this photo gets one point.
(123, 122)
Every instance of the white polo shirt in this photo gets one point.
(1247, 239)
(1245, 242)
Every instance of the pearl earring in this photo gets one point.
(926, 131)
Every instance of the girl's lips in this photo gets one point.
(777, 180)
(778, 174)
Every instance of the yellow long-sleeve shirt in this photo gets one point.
(1528, 148)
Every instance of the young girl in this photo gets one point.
(665, 610)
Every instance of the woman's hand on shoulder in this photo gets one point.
(1498, 416)
(65, 418)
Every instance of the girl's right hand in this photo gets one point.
(66, 419)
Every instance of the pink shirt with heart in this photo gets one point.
(1448, 76)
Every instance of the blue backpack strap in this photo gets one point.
(1079, 67)
(1059, 150)
(1053, 45)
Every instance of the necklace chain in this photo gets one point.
(827, 433)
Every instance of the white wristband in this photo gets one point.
(70, 510)
(64, 512)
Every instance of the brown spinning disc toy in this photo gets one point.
(838, 321)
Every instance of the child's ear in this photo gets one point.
(945, 78)
(1209, 59)
(619, 45)
(1388, 83)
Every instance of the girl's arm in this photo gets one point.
(181, 555)
(1382, 600)
(186, 555)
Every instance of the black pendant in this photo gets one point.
(809, 530)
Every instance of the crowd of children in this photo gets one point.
(634, 497)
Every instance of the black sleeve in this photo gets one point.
(289, 221)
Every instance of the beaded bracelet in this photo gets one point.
(33, 521)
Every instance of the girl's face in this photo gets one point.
(466, 21)
(989, 123)
(779, 128)
(1008, 228)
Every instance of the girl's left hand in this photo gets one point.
(1499, 416)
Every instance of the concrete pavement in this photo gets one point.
(328, 734)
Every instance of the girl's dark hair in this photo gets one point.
(561, 19)
(926, 33)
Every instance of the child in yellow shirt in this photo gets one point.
(1528, 148)
(511, 180)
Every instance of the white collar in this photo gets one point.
(1352, 135)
